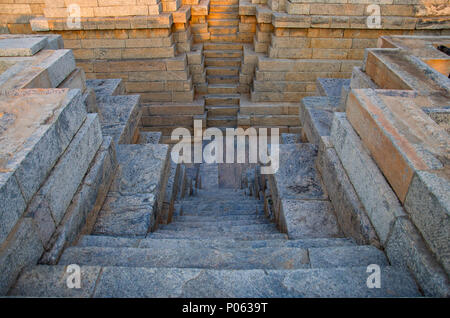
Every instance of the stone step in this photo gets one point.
(119, 116)
(221, 228)
(214, 61)
(223, 29)
(222, 89)
(222, 79)
(223, 15)
(243, 258)
(210, 46)
(208, 235)
(220, 71)
(331, 87)
(223, 54)
(130, 205)
(224, 38)
(223, 110)
(222, 99)
(51, 281)
(222, 121)
(224, 218)
(346, 256)
(110, 241)
(217, 223)
(223, 8)
(106, 87)
(223, 2)
(223, 22)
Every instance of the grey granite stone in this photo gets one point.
(406, 248)
(428, 204)
(331, 86)
(149, 137)
(51, 281)
(346, 256)
(71, 168)
(133, 223)
(41, 216)
(22, 249)
(12, 206)
(120, 116)
(308, 219)
(85, 204)
(106, 87)
(376, 196)
(142, 168)
(26, 46)
(166, 234)
(220, 228)
(290, 138)
(196, 283)
(316, 123)
(143, 282)
(215, 258)
(107, 241)
(58, 66)
(351, 216)
(349, 282)
(41, 152)
(297, 177)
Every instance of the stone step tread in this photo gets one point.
(196, 218)
(208, 235)
(221, 228)
(105, 87)
(110, 241)
(220, 96)
(332, 87)
(218, 222)
(229, 85)
(236, 258)
(51, 281)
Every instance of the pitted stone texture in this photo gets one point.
(308, 219)
(126, 215)
(376, 195)
(71, 168)
(331, 87)
(106, 87)
(428, 204)
(120, 116)
(26, 46)
(23, 249)
(13, 204)
(214, 258)
(149, 137)
(192, 283)
(291, 138)
(407, 249)
(346, 256)
(141, 170)
(296, 177)
(351, 215)
(51, 281)
(61, 113)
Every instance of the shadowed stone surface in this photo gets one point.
(346, 256)
(309, 219)
(296, 177)
(51, 281)
(375, 194)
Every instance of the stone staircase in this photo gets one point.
(221, 243)
(223, 54)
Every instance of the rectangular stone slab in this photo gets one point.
(308, 219)
(380, 118)
(21, 46)
(376, 195)
(51, 118)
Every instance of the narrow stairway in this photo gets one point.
(221, 243)
(223, 55)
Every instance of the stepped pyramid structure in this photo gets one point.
(91, 91)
